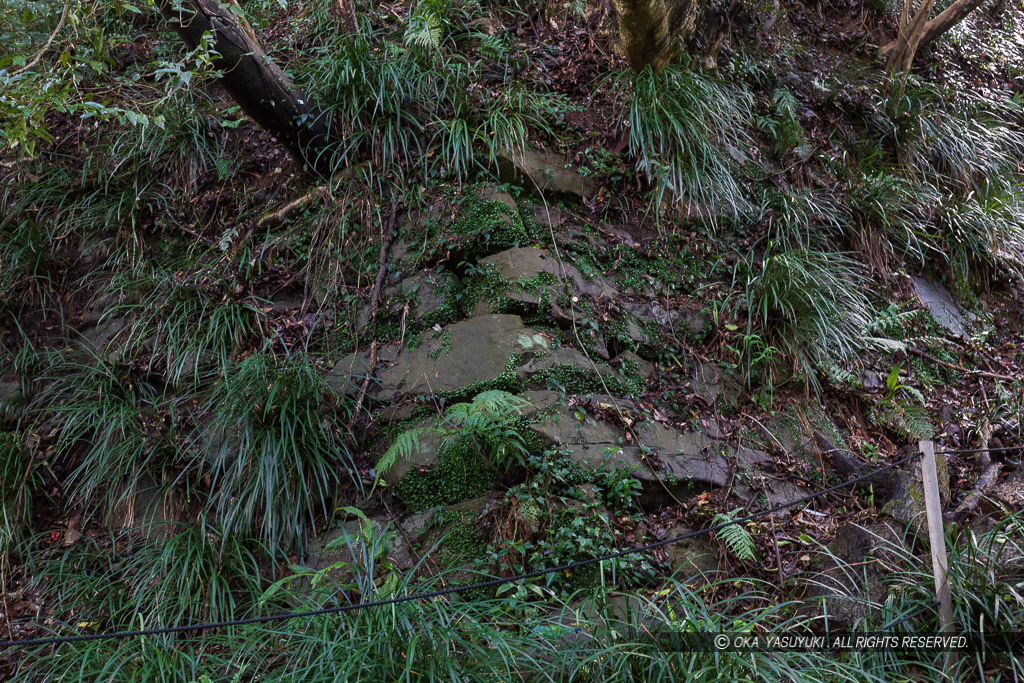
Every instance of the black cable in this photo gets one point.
(30, 642)
(980, 450)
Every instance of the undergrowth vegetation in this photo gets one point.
(196, 337)
(594, 635)
(684, 130)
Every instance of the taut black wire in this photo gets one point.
(980, 450)
(31, 642)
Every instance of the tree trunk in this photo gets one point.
(347, 16)
(911, 30)
(258, 85)
(649, 30)
(946, 20)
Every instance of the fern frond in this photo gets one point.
(404, 446)
(736, 538)
(498, 402)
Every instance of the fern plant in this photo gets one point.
(902, 409)
(489, 421)
(737, 539)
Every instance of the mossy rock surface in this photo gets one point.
(494, 351)
(546, 172)
(529, 264)
(667, 462)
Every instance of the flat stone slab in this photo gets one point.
(470, 352)
(687, 459)
(549, 173)
(941, 305)
(526, 263)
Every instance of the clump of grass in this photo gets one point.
(982, 234)
(678, 122)
(116, 582)
(801, 219)
(965, 144)
(109, 425)
(18, 478)
(595, 635)
(191, 575)
(28, 257)
(259, 449)
(891, 218)
(810, 305)
(986, 564)
(960, 156)
(274, 455)
(190, 333)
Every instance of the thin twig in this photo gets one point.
(952, 366)
(49, 41)
(386, 234)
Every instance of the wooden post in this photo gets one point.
(937, 538)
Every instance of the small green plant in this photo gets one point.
(18, 478)
(903, 409)
(490, 422)
(737, 539)
(781, 123)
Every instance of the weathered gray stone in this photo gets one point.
(343, 548)
(493, 194)
(561, 355)
(548, 173)
(694, 560)
(104, 329)
(341, 552)
(470, 352)
(711, 383)
(547, 216)
(687, 459)
(527, 263)
(154, 511)
(425, 456)
(540, 401)
(770, 492)
(10, 395)
(347, 376)
(1011, 489)
(430, 291)
(644, 367)
(851, 580)
(941, 305)
(904, 490)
